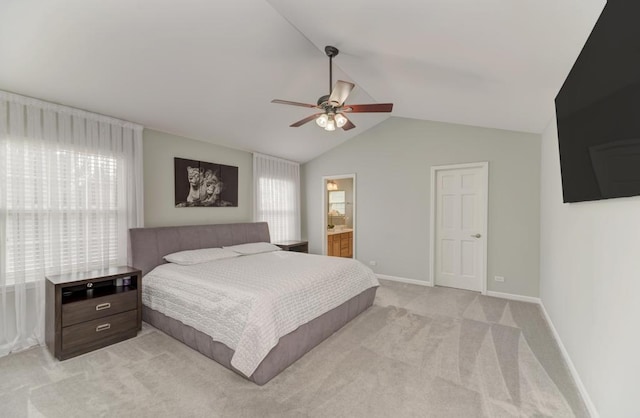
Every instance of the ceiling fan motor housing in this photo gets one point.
(323, 99)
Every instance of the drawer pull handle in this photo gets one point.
(103, 327)
(102, 306)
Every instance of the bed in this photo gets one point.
(302, 312)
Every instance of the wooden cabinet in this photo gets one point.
(340, 244)
(89, 310)
(335, 245)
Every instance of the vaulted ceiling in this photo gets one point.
(209, 69)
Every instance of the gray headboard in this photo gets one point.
(149, 245)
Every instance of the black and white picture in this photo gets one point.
(199, 184)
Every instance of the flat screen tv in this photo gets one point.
(598, 110)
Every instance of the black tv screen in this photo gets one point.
(598, 110)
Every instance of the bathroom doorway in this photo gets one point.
(339, 215)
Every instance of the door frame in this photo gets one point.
(484, 166)
(325, 216)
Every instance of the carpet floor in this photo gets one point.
(418, 352)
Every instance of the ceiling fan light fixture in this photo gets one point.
(340, 120)
(331, 124)
(322, 120)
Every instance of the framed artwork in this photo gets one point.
(202, 184)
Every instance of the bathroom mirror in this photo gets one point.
(337, 203)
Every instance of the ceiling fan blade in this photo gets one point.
(348, 125)
(287, 102)
(340, 92)
(305, 120)
(374, 107)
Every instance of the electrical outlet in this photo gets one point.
(498, 278)
(373, 263)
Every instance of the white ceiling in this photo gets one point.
(208, 69)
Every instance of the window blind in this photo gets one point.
(277, 196)
(64, 209)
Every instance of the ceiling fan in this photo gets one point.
(332, 106)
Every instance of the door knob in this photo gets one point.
(476, 235)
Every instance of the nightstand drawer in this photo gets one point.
(88, 333)
(86, 310)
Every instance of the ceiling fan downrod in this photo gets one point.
(331, 52)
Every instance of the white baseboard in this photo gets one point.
(512, 296)
(576, 377)
(404, 280)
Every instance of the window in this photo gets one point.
(278, 208)
(277, 196)
(64, 209)
(70, 188)
(337, 203)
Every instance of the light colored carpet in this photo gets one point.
(418, 352)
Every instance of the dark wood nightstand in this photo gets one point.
(90, 310)
(296, 246)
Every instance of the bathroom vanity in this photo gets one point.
(340, 243)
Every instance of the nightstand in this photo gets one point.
(295, 246)
(90, 310)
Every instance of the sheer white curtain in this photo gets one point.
(276, 185)
(70, 187)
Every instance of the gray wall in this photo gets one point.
(159, 207)
(589, 264)
(392, 162)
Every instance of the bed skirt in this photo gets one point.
(290, 347)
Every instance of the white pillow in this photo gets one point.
(186, 258)
(253, 248)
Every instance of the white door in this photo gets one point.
(460, 226)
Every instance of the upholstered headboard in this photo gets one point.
(149, 245)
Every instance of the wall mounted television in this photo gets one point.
(598, 110)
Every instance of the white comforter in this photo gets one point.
(249, 302)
